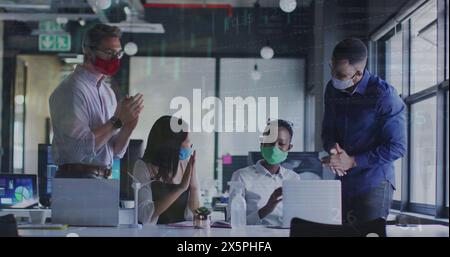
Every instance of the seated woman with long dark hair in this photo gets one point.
(168, 168)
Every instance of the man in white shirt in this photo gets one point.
(263, 181)
(90, 127)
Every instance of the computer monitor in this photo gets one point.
(46, 172)
(17, 191)
(120, 169)
(115, 169)
(306, 164)
(237, 162)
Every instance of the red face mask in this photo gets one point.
(107, 67)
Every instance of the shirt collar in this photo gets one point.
(94, 78)
(261, 169)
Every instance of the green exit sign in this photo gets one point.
(55, 42)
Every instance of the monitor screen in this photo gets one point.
(16, 189)
(115, 170)
(236, 163)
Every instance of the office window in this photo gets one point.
(398, 180)
(446, 161)
(423, 149)
(446, 41)
(394, 61)
(160, 80)
(34, 84)
(19, 116)
(394, 76)
(424, 48)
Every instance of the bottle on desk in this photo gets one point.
(238, 205)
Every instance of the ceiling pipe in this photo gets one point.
(26, 6)
(44, 16)
(228, 7)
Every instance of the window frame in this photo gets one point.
(440, 210)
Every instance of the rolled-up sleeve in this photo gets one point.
(74, 140)
(120, 154)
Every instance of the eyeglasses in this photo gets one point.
(110, 54)
(331, 67)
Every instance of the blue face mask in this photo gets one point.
(185, 153)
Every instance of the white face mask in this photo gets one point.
(342, 84)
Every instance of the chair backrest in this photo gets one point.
(372, 228)
(304, 228)
(8, 226)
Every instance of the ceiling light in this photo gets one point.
(267, 52)
(288, 6)
(131, 48)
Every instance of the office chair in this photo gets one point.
(375, 227)
(303, 228)
(8, 226)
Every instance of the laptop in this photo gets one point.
(18, 191)
(312, 200)
(86, 202)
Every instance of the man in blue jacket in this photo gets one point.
(364, 130)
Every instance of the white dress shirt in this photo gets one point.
(259, 185)
(80, 104)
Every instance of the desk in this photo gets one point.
(160, 231)
(250, 231)
(126, 217)
(418, 231)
